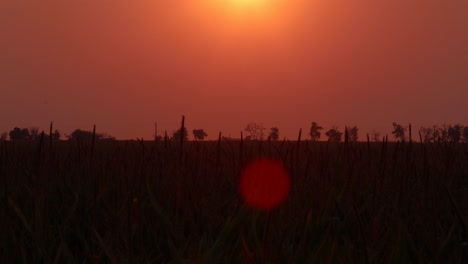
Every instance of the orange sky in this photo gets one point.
(124, 65)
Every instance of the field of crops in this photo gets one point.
(166, 202)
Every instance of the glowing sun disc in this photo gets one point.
(247, 6)
(247, 3)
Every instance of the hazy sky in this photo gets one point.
(125, 64)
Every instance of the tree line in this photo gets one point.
(32, 134)
(256, 131)
(445, 133)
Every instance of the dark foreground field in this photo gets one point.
(157, 202)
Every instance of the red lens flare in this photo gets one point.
(264, 184)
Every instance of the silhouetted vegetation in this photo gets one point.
(3, 136)
(255, 131)
(353, 134)
(84, 135)
(375, 136)
(334, 135)
(274, 134)
(315, 131)
(451, 133)
(19, 134)
(465, 134)
(455, 132)
(177, 134)
(399, 132)
(176, 201)
(29, 134)
(427, 134)
(138, 202)
(199, 134)
(56, 135)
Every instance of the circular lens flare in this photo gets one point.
(264, 184)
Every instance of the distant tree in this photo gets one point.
(376, 136)
(353, 134)
(34, 133)
(199, 134)
(105, 136)
(177, 134)
(3, 136)
(315, 131)
(274, 133)
(255, 130)
(83, 135)
(465, 134)
(18, 134)
(442, 133)
(79, 134)
(399, 132)
(56, 135)
(454, 133)
(427, 134)
(334, 135)
(435, 134)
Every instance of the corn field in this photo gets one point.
(178, 202)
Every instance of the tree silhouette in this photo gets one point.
(56, 135)
(442, 133)
(353, 134)
(34, 133)
(3, 136)
(376, 136)
(315, 131)
(177, 134)
(79, 134)
(255, 131)
(199, 134)
(465, 134)
(399, 131)
(427, 134)
(455, 132)
(24, 134)
(274, 133)
(83, 135)
(435, 134)
(334, 135)
(18, 134)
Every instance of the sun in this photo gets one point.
(246, 7)
(247, 4)
(244, 18)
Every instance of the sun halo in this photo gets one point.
(241, 4)
(246, 7)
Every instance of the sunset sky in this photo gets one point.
(125, 64)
